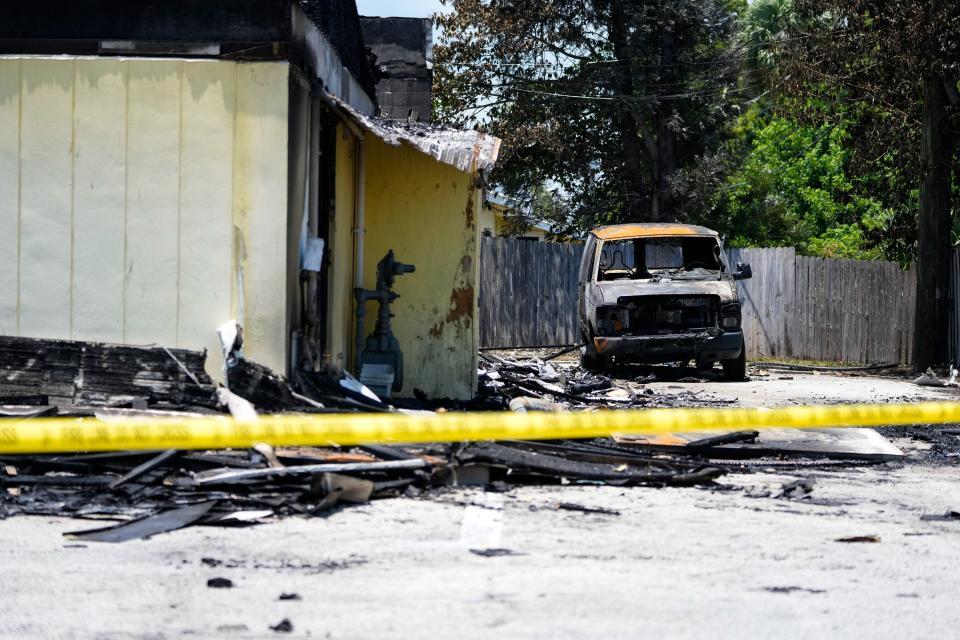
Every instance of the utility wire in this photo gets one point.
(622, 98)
(719, 60)
(589, 82)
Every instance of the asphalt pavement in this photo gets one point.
(733, 561)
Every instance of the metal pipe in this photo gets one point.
(359, 233)
(361, 212)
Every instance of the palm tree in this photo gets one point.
(764, 25)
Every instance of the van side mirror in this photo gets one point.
(743, 272)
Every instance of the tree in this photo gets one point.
(602, 102)
(792, 188)
(898, 62)
(764, 25)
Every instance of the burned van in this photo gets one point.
(654, 293)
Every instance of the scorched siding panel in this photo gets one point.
(99, 199)
(9, 193)
(260, 208)
(46, 202)
(153, 202)
(208, 98)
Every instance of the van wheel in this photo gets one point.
(704, 366)
(735, 370)
(592, 362)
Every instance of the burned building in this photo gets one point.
(166, 167)
(403, 48)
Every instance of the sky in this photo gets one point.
(400, 8)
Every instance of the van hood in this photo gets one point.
(607, 293)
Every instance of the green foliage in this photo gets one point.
(864, 63)
(792, 188)
(764, 23)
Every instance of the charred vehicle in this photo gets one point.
(653, 293)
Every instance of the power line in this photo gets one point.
(717, 61)
(512, 81)
(573, 62)
(623, 98)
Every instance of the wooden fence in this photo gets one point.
(823, 309)
(528, 292)
(793, 307)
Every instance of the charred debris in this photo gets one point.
(143, 493)
(533, 384)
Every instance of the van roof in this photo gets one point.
(650, 230)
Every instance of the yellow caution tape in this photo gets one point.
(49, 435)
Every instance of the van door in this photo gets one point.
(584, 279)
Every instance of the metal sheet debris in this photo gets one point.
(465, 150)
(146, 527)
(555, 466)
(861, 444)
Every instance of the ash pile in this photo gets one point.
(138, 494)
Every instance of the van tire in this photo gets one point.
(735, 370)
(592, 362)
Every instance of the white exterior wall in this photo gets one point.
(144, 201)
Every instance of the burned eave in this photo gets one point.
(257, 29)
(464, 149)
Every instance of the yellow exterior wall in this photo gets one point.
(144, 201)
(341, 318)
(427, 213)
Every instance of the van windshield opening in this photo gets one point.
(689, 257)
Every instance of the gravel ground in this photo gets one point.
(727, 562)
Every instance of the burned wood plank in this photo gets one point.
(141, 469)
(723, 438)
(571, 506)
(518, 459)
(73, 372)
(227, 476)
(386, 452)
(57, 480)
(267, 391)
(32, 400)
